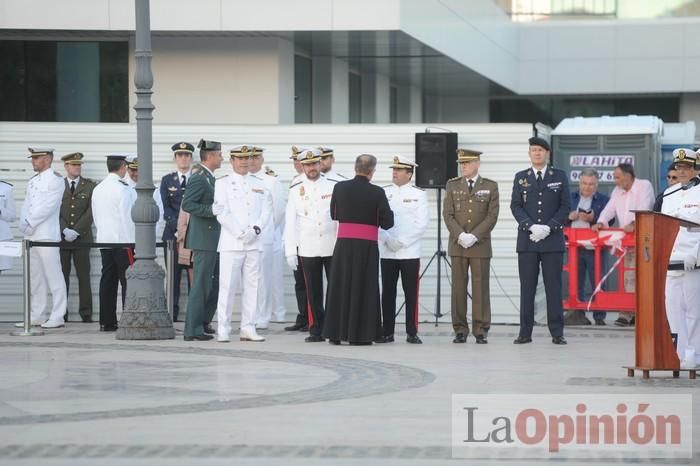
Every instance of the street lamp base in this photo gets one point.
(31, 333)
(145, 316)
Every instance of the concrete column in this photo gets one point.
(410, 105)
(382, 99)
(690, 109)
(330, 90)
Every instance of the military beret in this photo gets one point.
(538, 141)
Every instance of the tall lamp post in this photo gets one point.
(145, 316)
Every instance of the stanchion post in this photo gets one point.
(27, 330)
(171, 253)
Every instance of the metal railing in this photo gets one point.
(27, 245)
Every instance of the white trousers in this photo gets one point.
(279, 263)
(265, 285)
(683, 313)
(47, 275)
(238, 270)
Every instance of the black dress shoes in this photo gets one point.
(208, 329)
(381, 339)
(522, 340)
(559, 340)
(87, 320)
(294, 328)
(314, 339)
(460, 338)
(413, 339)
(481, 340)
(334, 342)
(108, 328)
(389, 339)
(362, 343)
(203, 337)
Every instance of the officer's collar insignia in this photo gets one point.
(529, 173)
(551, 173)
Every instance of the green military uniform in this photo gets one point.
(76, 214)
(203, 238)
(472, 211)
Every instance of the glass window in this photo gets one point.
(393, 104)
(302, 90)
(64, 81)
(355, 97)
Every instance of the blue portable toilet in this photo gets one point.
(673, 136)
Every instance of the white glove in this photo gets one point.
(394, 244)
(217, 209)
(539, 232)
(70, 235)
(248, 236)
(466, 240)
(292, 262)
(689, 262)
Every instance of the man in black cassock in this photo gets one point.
(353, 312)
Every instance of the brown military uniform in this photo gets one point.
(472, 212)
(76, 214)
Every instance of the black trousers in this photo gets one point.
(300, 293)
(177, 280)
(409, 269)
(313, 277)
(529, 270)
(114, 264)
(81, 260)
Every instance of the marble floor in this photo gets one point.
(76, 396)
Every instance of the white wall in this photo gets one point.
(505, 145)
(607, 57)
(231, 80)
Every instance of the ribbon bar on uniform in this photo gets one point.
(358, 231)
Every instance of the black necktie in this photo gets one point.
(471, 186)
(72, 187)
(539, 177)
(184, 182)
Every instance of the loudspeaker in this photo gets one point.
(436, 156)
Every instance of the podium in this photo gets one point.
(654, 349)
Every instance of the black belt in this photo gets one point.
(679, 266)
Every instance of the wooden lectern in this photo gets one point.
(654, 349)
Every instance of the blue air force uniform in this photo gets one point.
(544, 202)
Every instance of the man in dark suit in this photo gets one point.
(353, 310)
(586, 205)
(172, 188)
(540, 204)
(203, 238)
(76, 227)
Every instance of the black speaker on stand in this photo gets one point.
(436, 157)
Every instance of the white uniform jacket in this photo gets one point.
(247, 203)
(8, 210)
(112, 201)
(275, 188)
(410, 207)
(685, 204)
(309, 230)
(42, 206)
(334, 176)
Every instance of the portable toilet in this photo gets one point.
(603, 143)
(674, 135)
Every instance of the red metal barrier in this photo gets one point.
(604, 300)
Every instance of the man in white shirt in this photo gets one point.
(270, 285)
(244, 210)
(112, 201)
(8, 214)
(327, 161)
(400, 248)
(683, 276)
(630, 194)
(310, 235)
(39, 221)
